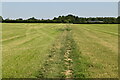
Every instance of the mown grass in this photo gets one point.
(100, 48)
(33, 50)
(22, 57)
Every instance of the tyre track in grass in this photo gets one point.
(68, 60)
(25, 35)
(76, 63)
(28, 37)
(64, 59)
(101, 41)
(16, 37)
(54, 61)
(111, 33)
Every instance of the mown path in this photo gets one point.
(64, 59)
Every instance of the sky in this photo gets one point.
(48, 10)
(60, 0)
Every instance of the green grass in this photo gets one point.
(100, 48)
(36, 50)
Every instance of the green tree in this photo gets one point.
(1, 19)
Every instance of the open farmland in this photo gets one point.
(33, 50)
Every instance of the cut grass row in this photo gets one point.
(64, 59)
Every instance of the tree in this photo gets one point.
(66, 19)
(32, 18)
(118, 19)
(19, 19)
(1, 19)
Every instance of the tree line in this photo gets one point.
(66, 19)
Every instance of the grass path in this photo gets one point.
(64, 59)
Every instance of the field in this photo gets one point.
(36, 50)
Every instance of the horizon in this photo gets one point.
(61, 15)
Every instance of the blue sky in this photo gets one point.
(47, 10)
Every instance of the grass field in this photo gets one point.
(36, 50)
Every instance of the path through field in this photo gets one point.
(33, 50)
